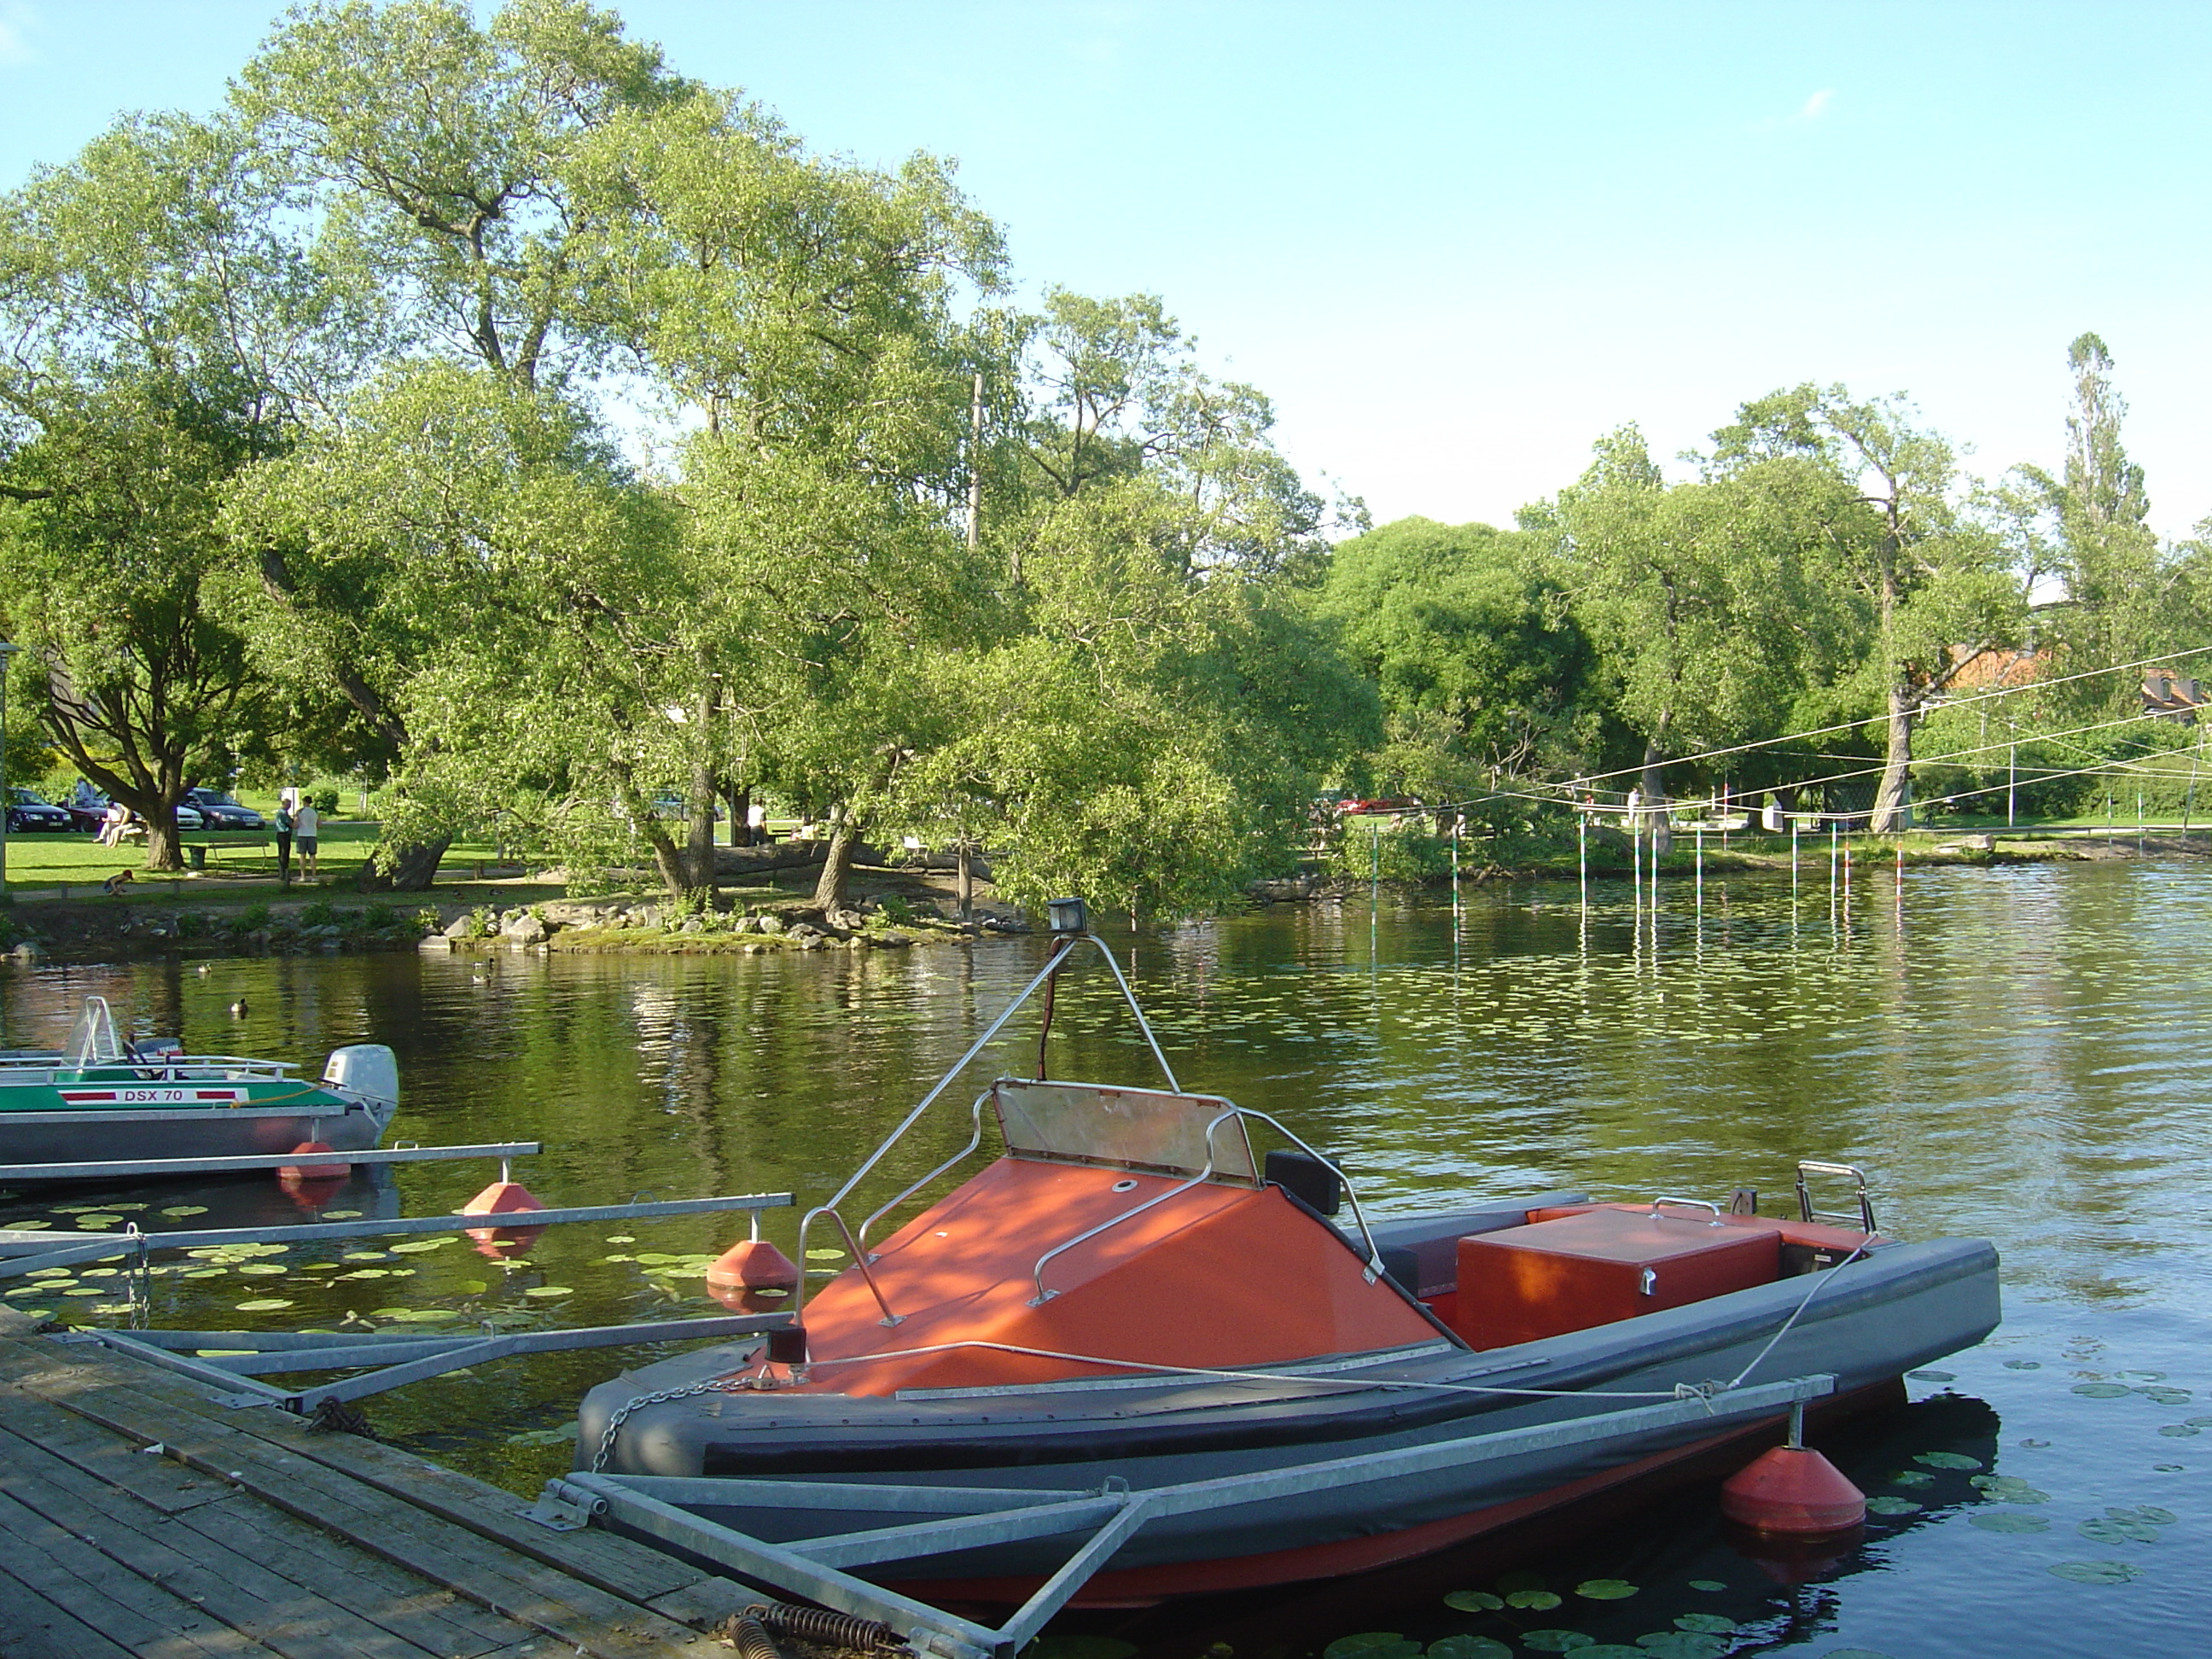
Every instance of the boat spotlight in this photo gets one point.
(1069, 915)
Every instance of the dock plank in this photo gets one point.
(599, 1623)
(286, 1618)
(253, 1537)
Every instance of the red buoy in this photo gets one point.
(741, 1274)
(289, 1173)
(1794, 1489)
(503, 1198)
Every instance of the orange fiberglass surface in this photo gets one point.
(1208, 1276)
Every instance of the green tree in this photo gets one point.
(160, 338)
(1936, 579)
(1480, 668)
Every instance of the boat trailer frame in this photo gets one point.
(929, 1520)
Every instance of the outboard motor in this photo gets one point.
(367, 1069)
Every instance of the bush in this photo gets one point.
(896, 911)
(378, 916)
(321, 914)
(252, 917)
(326, 802)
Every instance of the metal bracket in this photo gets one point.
(561, 1509)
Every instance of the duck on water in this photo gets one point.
(1131, 1312)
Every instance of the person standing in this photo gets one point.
(306, 832)
(284, 825)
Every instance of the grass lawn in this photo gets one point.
(52, 861)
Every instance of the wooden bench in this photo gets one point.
(196, 846)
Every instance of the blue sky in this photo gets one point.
(1456, 242)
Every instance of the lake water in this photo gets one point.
(2022, 1053)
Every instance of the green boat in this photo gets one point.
(101, 1099)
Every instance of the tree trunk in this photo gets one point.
(1654, 790)
(741, 813)
(414, 866)
(699, 829)
(162, 852)
(1893, 804)
(829, 887)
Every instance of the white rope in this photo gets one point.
(1818, 1278)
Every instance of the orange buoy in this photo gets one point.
(503, 1197)
(1792, 1490)
(290, 1173)
(752, 1274)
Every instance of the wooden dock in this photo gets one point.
(140, 1518)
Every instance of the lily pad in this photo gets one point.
(2009, 1521)
(1682, 1644)
(341, 1215)
(1949, 1460)
(2100, 1391)
(825, 1255)
(99, 1223)
(473, 1287)
(1469, 1647)
(1372, 1645)
(87, 1290)
(368, 1256)
(1710, 1624)
(2148, 1377)
(2095, 1572)
(1605, 1590)
(1556, 1641)
(421, 1246)
(2035, 1444)
(2009, 1489)
(264, 1305)
(263, 1269)
(206, 1273)
(1933, 1376)
(29, 1226)
(359, 1273)
(1474, 1601)
(2023, 1365)
(621, 1239)
(2165, 1396)
(2110, 1529)
(1913, 1478)
(1892, 1506)
(560, 1436)
(1708, 1585)
(2148, 1512)
(2178, 1430)
(1534, 1601)
(179, 1211)
(549, 1291)
(2169, 1468)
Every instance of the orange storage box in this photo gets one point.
(1523, 1283)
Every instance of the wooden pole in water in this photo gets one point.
(1831, 870)
(1375, 881)
(1457, 819)
(2139, 823)
(1700, 838)
(1582, 854)
(1636, 864)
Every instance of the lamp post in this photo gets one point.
(6, 651)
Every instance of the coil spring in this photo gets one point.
(831, 1630)
(752, 1641)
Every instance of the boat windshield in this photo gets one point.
(1143, 1129)
(92, 1041)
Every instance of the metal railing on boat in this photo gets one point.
(929, 1520)
(165, 1168)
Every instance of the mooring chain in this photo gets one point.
(638, 1402)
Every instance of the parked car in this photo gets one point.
(88, 811)
(1387, 804)
(29, 812)
(221, 811)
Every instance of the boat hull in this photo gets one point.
(1865, 1323)
(158, 1133)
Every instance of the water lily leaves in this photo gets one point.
(2035, 1444)
(1933, 1376)
(1533, 1601)
(560, 1436)
(1708, 1585)
(421, 1246)
(1892, 1506)
(206, 1273)
(1682, 1644)
(2155, 1516)
(52, 1273)
(2009, 1489)
(2102, 1390)
(2178, 1430)
(1710, 1624)
(657, 1258)
(32, 1226)
(1949, 1460)
(1469, 1647)
(2023, 1365)
(368, 1256)
(2169, 1468)
(2164, 1396)
(618, 1256)
(825, 1255)
(341, 1215)
(1556, 1641)
(2148, 1377)
(264, 1305)
(621, 1239)
(2114, 1529)
(473, 1287)
(98, 1223)
(1474, 1601)
(2095, 1572)
(2009, 1521)
(1605, 1590)
(265, 1268)
(1913, 1478)
(87, 1290)
(358, 1273)
(1372, 1644)
(549, 1291)
(179, 1211)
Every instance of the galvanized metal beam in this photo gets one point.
(841, 1495)
(154, 1168)
(47, 1254)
